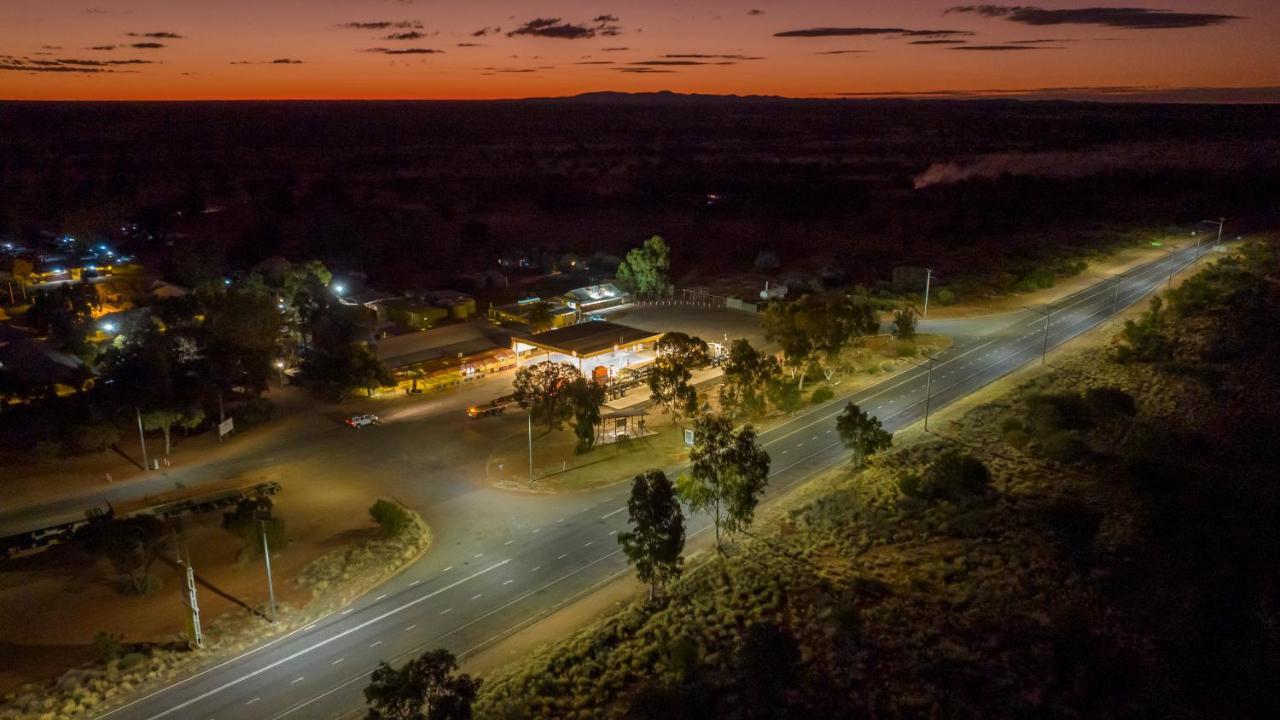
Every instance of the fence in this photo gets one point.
(698, 298)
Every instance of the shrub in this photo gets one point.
(1010, 423)
(107, 646)
(254, 412)
(1026, 285)
(97, 437)
(47, 451)
(952, 476)
(392, 518)
(945, 296)
(821, 395)
(1017, 438)
(1109, 402)
(1073, 527)
(1047, 413)
(906, 349)
(888, 366)
(1065, 447)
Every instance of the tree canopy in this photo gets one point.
(544, 388)
(644, 269)
(728, 473)
(425, 688)
(656, 539)
(861, 432)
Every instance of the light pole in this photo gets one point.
(263, 515)
(1219, 222)
(928, 387)
(142, 437)
(529, 418)
(928, 277)
(1048, 318)
(280, 367)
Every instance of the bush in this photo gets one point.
(1010, 423)
(1047, 413)
(1107, 403)
(953, 476)
(97, 437)
(108, 646)
(254, 412)
(944, 297)
(1073, 527)
(888, 366)
(1066, 447)
(47, 451)
(1026, 285)
(821, 395)
(392, 518)
(1017, 438)
(906, 349)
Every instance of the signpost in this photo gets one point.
(263, 515)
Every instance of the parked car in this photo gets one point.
(359, 421)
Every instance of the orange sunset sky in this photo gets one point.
(280, 49)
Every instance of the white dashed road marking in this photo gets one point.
(295, 681)
(563, 556)
(477, 596)
(375, 643)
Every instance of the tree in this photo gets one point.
(337, 374)
(689, 351)
(425, 688)
(655, 543)
(243, 523)
(391, 517)
(904, 324)
(544, 389)
(585, 398)
(64, 313)
(540, 316)
(728, 472)
(817, 325)
(669, 376)
(644, 269)
(747, 375)
(785, 394)
(862, 433)
(132, 546)
(785, 324)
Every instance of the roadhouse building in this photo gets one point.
(600, 350)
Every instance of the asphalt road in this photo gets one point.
(496, 584)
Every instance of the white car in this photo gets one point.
(359, 421)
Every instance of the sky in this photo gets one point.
(1176, 50)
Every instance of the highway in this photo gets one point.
(506, 583)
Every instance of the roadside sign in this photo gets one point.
(688, 437)
(225, 427)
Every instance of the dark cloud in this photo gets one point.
(615, 49)
(485, 31)
(641, 70)
(937, 42)
(471, 45)
(755, 12)
(403, 51)
(158, 35)
(696, 56)
(863, 31)
(679, 62)
(594, 62)
(94, 11)
(1117, 17)
(1002, 48)
(147, 46)
(492, 70)
(384, 25)
(1036, 42)
(277, 61)
(286, 61)
(66, 65)
(409, 35)
(50, 47)
(601, 25)
(103, 47)
(846, 52)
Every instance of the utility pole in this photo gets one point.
(263, 515)
(195, 635)
(1115, 299)
(529, 418)
(928, 392)
(928, 276)
(143, 439)
(1048, 318)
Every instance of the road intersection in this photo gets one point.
(505, 582)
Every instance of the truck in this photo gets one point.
(496, 406)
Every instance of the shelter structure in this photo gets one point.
(600, 350)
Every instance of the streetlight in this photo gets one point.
(1048, 318)
(280, 367)
(928, 276)
(1219, 222)
(339, 289)
(928, 387)
(262, 513)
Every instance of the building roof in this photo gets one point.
(445, 341)
(595, 294)
(590, 338)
